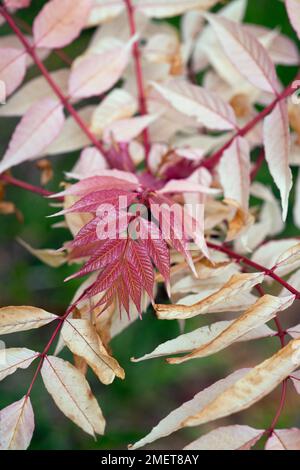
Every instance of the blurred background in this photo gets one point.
(152, 388)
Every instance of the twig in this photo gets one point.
(28, 187)
(64, 100)
(212, 161)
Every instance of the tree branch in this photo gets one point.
(258, 267)
(212, 161)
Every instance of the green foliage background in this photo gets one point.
(153, 388)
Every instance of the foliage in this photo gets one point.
(173, 130)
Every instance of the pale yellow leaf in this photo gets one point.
(254, 386)
(52, 258)
(13, 319)
(236, 284)
(72, 394)
(172, 422)
(202, 336)
(256, 316)
(83, 340)
(15, 358)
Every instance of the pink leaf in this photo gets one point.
(17, 4)
(17, 425)
(293, 9)
(284, 439)
(93, 201)
(97, 183)
(12, 68)
(97, 73)
(277, 148)
(196, 102)
(127, 129)
(234, 172)
(38, 128)
(109, 251)
(246, 53)
(156, 247)
(90, 162)
(60, 22)
(138, 256)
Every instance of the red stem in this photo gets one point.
(258, 165)
(64, 100)
(43, 355)
(28, 187)
(212, 161)
(256, 266)
(58, 52)
(139, 73)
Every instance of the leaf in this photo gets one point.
(33, 91)
(246, 53)
(267, 255)
(256, 316)
(138, 256)
(234, 172)
(196, 102)
(295, 378)
(234, 437)
(289, 257)
(90, 163)
(38, 128)
(52, 258)
(126, 130)
(199, 337)
(237, 284)
(103, 11)
(17, 425)
(254, 386)
(284, 439)
(82, 339)
(117, 105)
(16, 4)
(13, 319)
(15, 358)
(167, 8)
(60, 22)
(277, 148)
(72, 137)
(12, 68)
(297, 202)
(293, 9)
(72, 394)
(97, 73)
(172, 422)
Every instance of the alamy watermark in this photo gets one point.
(136, 221)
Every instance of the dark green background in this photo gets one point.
(151, 389)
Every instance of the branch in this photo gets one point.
(58, 52)
(212, 161)
(139, 73)
(64, 100)
(28, 187)
(256, 266)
